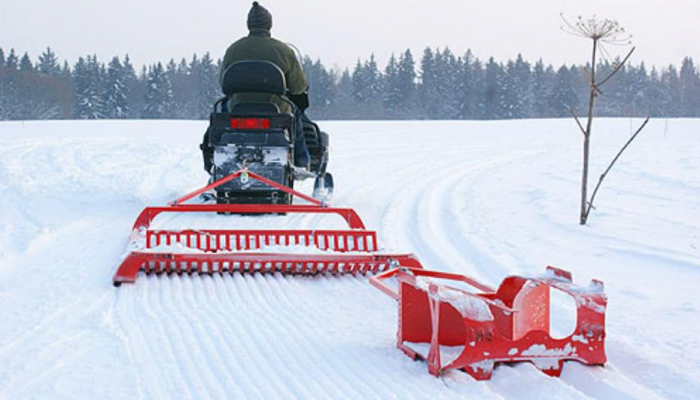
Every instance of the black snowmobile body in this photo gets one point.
(259, 137)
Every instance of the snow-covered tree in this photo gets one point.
(494, 91)
(88, 75)
(540, 88)
(3, 87)
(12, 62)
(447, 71)
(689, 89)
(116, 102)
(25, 64)
(158, 98)
(428, 98)
(391, 96)
(518, 87)
(48, 63)
(406, 83)
(563, 97)
(206, 74)
(345, 101)
(671, 87)
(321, 87)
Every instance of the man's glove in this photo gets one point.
(300, 100)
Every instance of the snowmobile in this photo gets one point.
(258, 137)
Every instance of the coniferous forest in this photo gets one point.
(437, 85)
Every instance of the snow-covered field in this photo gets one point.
(483, 198)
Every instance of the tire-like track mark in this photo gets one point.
(307, 330)
(289, 338)
(290, 302)
(433, 236)
(148, 343)
(276, 362)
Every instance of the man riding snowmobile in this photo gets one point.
(252, 56)
(260, 45)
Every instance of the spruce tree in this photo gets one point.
(494, 91)
(428, 102)
(134, 89)
(321, 87)
(48, 63)
(9, 97)
(446, 74)
(406, 82)
(373, 80)
(671, 85)
(689, 89)
(366, 89)
(640, 90)
(81, 83)
(359, 83)
(25, 64)
(518, 88)
(207, 76)
(3, 84)
(345, 107)
(467, 86)
(479, 88)
(12, 62)
(391, 96)
(617, 100)
(324, 95)
(116, 101)
(182, 92)
(563, 97)
(89, 77)
(655, 94)
(158, 98)
(540, 89)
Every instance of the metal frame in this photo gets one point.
(228, 251)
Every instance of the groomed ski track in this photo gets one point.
(487, 199)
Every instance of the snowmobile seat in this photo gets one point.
(253, 77)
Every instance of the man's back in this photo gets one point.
(259, 45)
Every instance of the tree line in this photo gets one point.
(441, 85)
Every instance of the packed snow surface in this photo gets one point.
(487, 199)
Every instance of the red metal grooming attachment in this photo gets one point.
(472, 330)
(351, 251)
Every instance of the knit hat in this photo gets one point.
(259, 18)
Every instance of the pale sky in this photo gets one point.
(341, 32)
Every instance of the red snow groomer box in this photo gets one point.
(477, 329)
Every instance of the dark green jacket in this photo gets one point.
(260, 46)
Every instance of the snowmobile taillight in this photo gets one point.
(250, 123)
